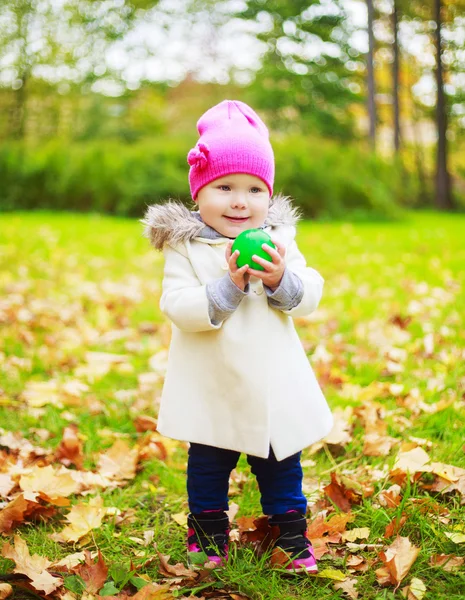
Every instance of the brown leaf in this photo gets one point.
(13, 513)
(70, 450)
(338, 523)
(399, 558)
(337, 493)
(34, 567)
(94, 574)
(178, 570)
(395, 525)
(448, 562)
(5, 590)
(145, 423)
(391, 497)
(348, 587)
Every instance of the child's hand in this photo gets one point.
(239, 276)
(274, 270)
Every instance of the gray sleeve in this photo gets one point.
(223, 298)
(289, 293)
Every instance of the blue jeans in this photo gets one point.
(209, 468)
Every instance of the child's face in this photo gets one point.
(234, 203)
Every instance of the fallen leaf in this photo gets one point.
(358, 533)
(145, 423)
(398, 558)
(70, 561)
(415, 591)
(455, 536)
(178, 570)
(53, 487)
(448, 562)
(34, 567)
(6, 485)
(70, 450)
(395, 526)
(180, 519)
(119, 462)
(334, 574)
(93, 574)
(13, 513)
(5, 590)
(413, 461)
(82, 518)
(348, 587)
(154, 591)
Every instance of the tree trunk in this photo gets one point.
(371, 76)
(395, 77)
(443, 188)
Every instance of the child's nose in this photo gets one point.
(239, 200)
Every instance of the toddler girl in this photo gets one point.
(238, 378)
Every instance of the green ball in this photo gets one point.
(249, 242)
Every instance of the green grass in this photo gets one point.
(66, 280)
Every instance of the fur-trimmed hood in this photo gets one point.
(173, 223)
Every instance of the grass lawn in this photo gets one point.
(387, 343)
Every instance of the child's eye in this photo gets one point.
(224, 188)
(255, 190)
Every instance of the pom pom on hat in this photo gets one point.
(233, 139)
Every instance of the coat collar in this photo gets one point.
(173, 223)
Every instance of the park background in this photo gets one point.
(365, 102)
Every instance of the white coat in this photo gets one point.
(246, 383)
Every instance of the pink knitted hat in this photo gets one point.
(233, 139)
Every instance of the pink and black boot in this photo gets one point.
(208, 535)
(292, 549)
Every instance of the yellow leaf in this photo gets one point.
(50, 483)
(332, 574)
(455, 536)
(359, 533)
(119, 462)
(180, 519)
(82, 518)
(417, 589)
(33, 567)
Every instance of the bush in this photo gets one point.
(325, 179)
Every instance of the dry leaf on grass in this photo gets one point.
(119, 462)
(53, 487)
(34, 567)
(178, 570)
(70, 450)
(395, 526)
(93, 574)
(82, 518)
(348, 587)
(358, 533)
(397, 559)
(448, 562)
(416, 590)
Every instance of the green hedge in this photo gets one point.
(326, 179)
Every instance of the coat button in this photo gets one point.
(225, 267)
